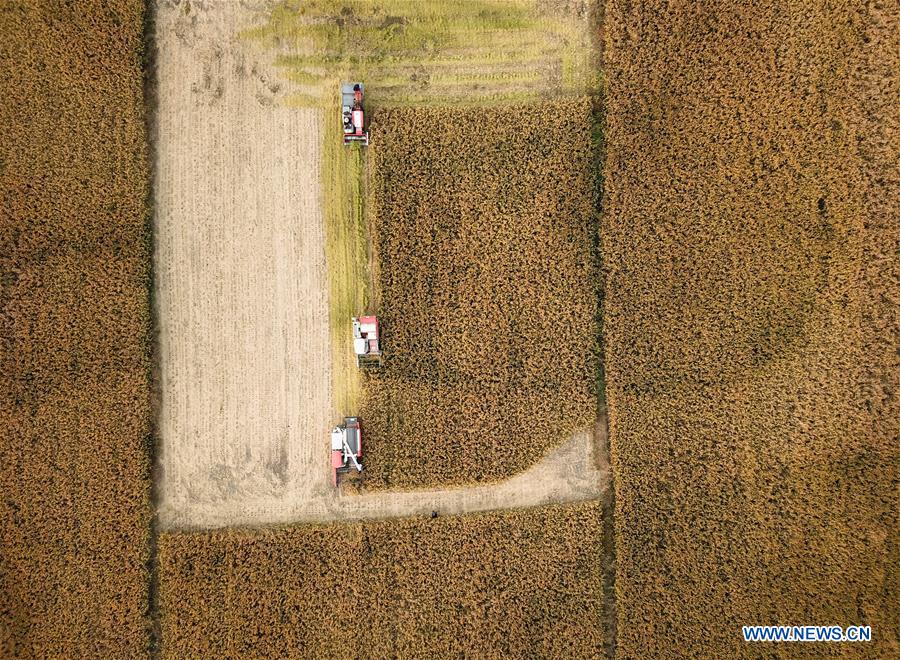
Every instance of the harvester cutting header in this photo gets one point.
(346, 447)
(352, 114)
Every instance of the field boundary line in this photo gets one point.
(150, 91)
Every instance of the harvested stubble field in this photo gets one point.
(74, 322)
(411, 52)
(750, 241)
(241, 287)
(511, 584)
(241, 297)
(484, 231)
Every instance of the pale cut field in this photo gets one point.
(240, 271)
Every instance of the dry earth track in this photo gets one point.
(574, 472)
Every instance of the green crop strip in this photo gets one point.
(347, 256)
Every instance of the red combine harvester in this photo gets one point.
(366, 341)
(346, 447)
(352, 114)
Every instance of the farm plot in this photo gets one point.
(241, 286)
(512, 583)
(484, 231)
(750, 321)
(75, 413)
(249, 387)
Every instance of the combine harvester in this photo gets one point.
(352, 114)
(366, 341)
(346, 447)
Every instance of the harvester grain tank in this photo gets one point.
(346, 447)
(353, 116)
(366, 341)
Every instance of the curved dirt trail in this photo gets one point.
(571, 473)
(242, 301)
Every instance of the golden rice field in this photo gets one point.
(740, 268)
(485, 233)
(750, 312)
(509, 584)
(75, 332)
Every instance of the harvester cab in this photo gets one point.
(352, 114)
(346, 447)
(366, 341)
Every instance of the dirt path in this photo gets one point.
(242, 300)
(573, 472)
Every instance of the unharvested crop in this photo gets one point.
(510, 584)
(74, 314)
(484, 233)
(749, 241)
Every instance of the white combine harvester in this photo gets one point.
(346, 447)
